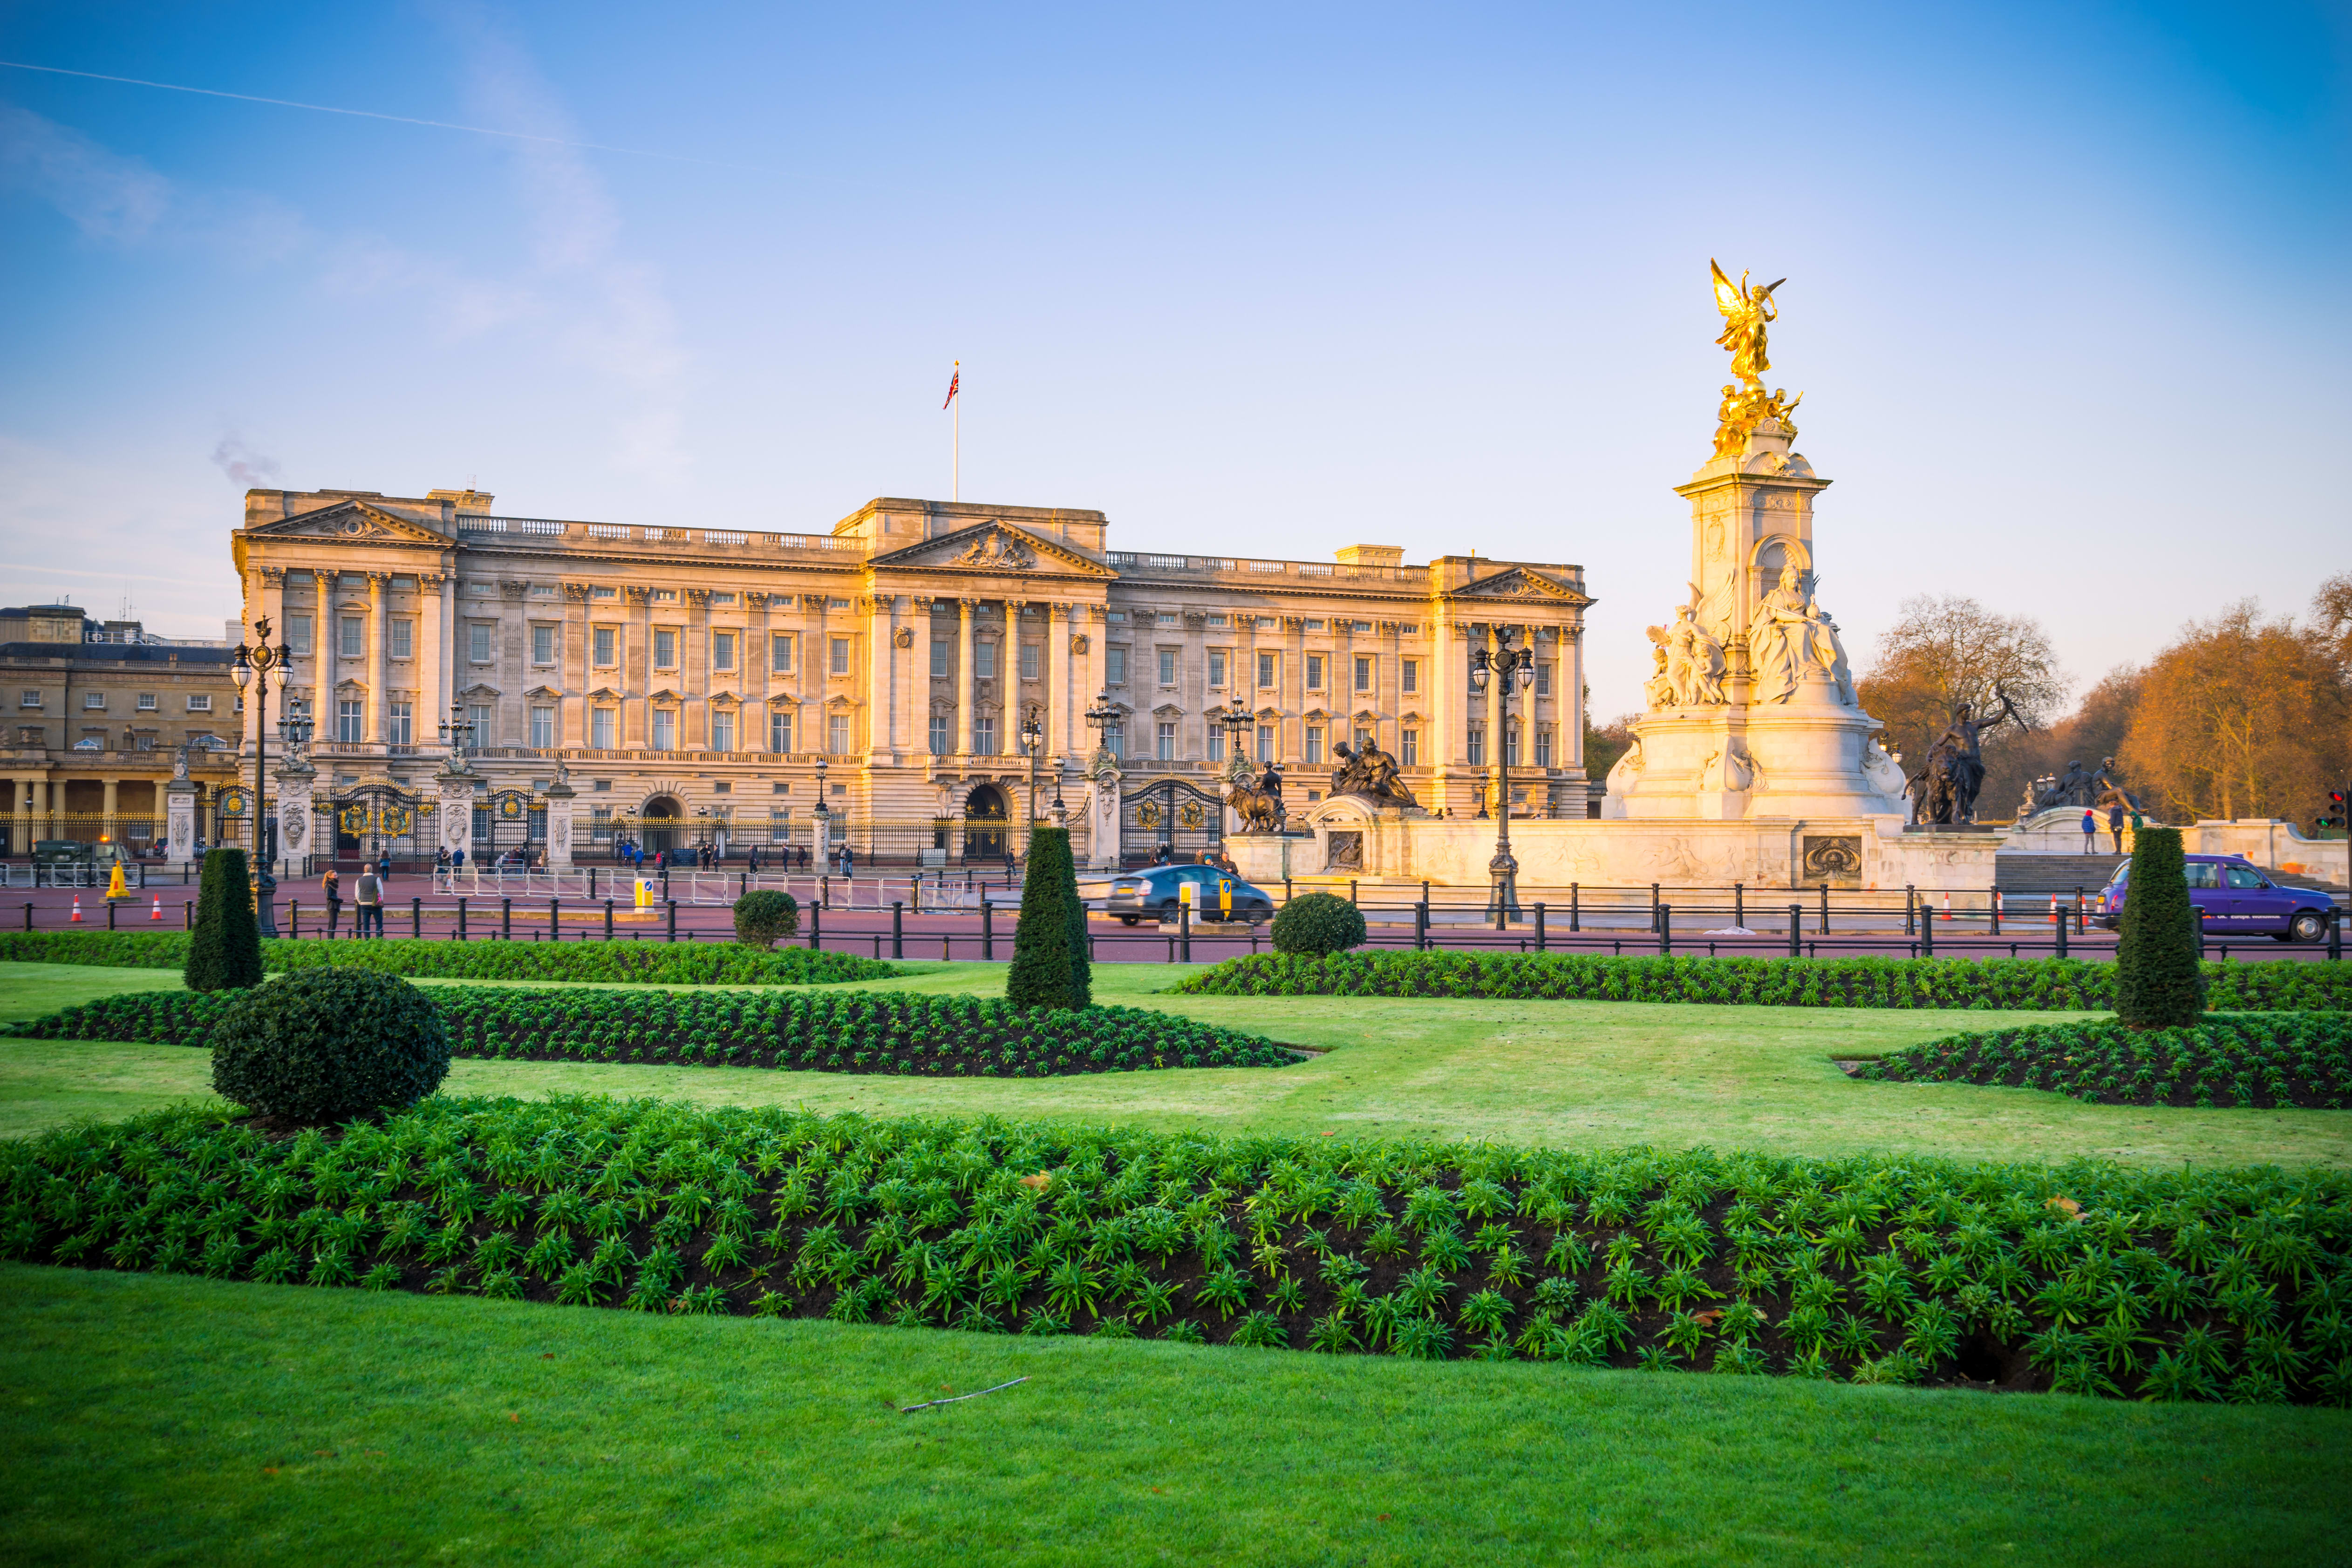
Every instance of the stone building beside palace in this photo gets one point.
(707, 683)
(97, 711)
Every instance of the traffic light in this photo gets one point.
(2334, 816)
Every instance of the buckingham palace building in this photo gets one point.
(710, 686)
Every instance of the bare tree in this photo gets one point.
(1944, 651)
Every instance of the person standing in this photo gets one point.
(384, 866)
(2090, 832)
(367, 895)
(2115, 824)
(330, 887)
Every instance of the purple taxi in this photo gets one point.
(2236, 897)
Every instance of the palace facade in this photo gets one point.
(714, 683)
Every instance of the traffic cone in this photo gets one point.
(1948, 906)
(2054, 908)
(158, 913)
(77, 914)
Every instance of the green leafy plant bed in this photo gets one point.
(2062, 984)
(856, 1031)
(660, 962)
(2091, 1277)
(2258, 1059)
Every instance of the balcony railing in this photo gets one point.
(516, 528)
(1126, 561)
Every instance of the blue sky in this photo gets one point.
(2067, 282)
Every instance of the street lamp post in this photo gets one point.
(1105, 718)
(1507, 671)
(1032, 741)
(821, 826)
(254, 667)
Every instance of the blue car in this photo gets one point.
(2236, 898)
(1153, 894)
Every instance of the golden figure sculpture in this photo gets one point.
(1747, 312)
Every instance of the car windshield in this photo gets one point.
(2122, 875)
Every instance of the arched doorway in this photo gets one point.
(660, 825)
(987, 825)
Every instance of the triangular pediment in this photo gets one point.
(538, 692)
(480, 690)
(994, 549)
(353, 522)
(1521, 582)
(606, 694)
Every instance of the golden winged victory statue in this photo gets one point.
(1747, 314)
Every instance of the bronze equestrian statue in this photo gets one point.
(1944, 792)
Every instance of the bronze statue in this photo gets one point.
(1370, 773)
(1259, 804)
(1944, 792)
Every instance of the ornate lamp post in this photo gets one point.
(1032, 740)
(1104, 718)
(457, 734)
(1507, 671)
(821, 828)
(256, 668)
(1236, 722)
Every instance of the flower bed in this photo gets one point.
(2096, 1278)
(2025, 984)
(661, 962)
(856, 1031)
(2256, 1059)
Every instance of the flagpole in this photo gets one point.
(955, 476)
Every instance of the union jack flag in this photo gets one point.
(954, 381)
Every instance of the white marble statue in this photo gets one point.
(1788, 632)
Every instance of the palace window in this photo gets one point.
(478, 715)
(665, 649)
(478, 642)
(1543, 679)
(722, 731)
(1270, 668)
(399, 723)
(984, 735)
(542, 645)
(780, 730)
(837, 734)
(942, 734)
(33, 699)
(1314, 672)
(1477, 745)
(1363, 672)
(347, 723)
(841, 655)
(722, 652)
(600, 823)
(665, 728)
(940, 647)
(983, 660)
(1167, 667)
(1314, 745)
(779, 653)
(1217, 657)
(779, 824)
(605, 729)
(93, 701)
(1032, 656)
(1166, 618)
(146, 702)
(1511, 745)
(1543, 746)
(1266, 743)
(199, 701)
(664, 595)
(1409, 675)
(1409, 748)
(603, 591)
(298, 633)
(543, 727)
(1115, 667)
(354, 636)
(1219, 620)
(606, 643)
(1364, 740)
(538, 590)
(722, 599)
(403, 638)
(1167, 742)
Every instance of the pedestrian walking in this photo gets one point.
(2090, 832)
(330, 887)
(2115, 824)
(384, 866)
(848, 862)
(367, 896)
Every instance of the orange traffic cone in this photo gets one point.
(158, 913)
(77, 914)
(2054, 908)
(1948, 906)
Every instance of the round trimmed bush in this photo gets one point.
(1317, 924)
(329, 1045)
(764, 917)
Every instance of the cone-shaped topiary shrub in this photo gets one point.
(1049, 950)
(765, 918)
(1317, 923)
(225, 953)
(2158, 983)
(328, 1045)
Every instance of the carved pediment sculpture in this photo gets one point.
(998, 550)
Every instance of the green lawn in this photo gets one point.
(1562, 1073)
(164, 1418)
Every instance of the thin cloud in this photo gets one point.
(247, 468)
(108, 196)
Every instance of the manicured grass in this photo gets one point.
(1591, 1074)
(171, 1419)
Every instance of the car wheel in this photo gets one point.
(2307, 925)
(1168, 913)
(1127, 920)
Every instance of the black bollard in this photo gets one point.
(1796, 930)
(898, 929)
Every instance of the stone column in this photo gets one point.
(1443, 692)
(1059, 739)
(378, 635)
(432, 703)
(106, 809)
(179, 821)
(820, 835)
(881, 674)
(637, 671)
(559, 796)
(965, 689)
